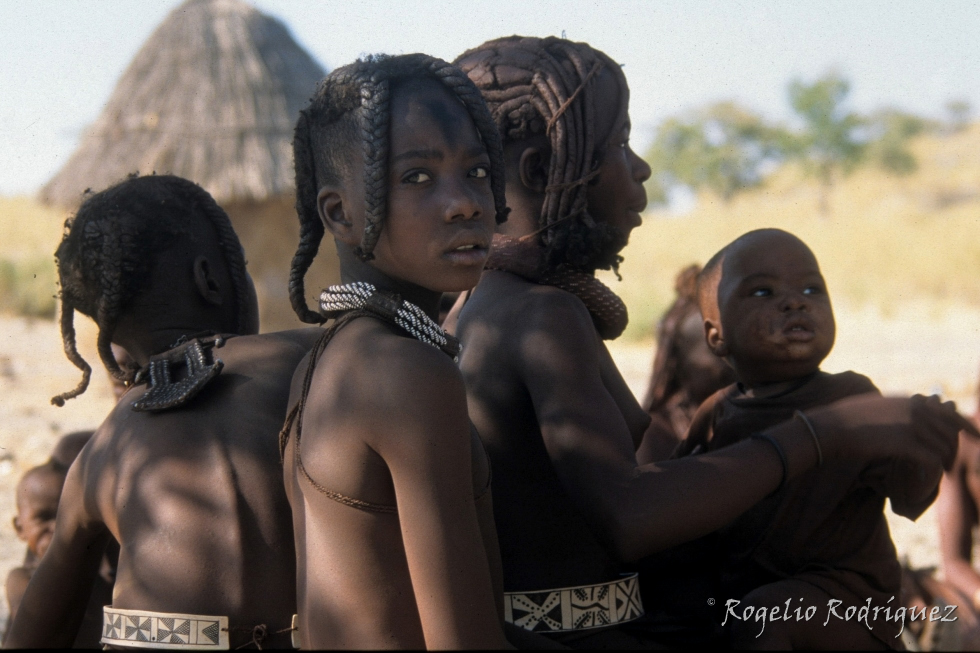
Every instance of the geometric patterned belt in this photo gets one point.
(575, 608)
(163, 630)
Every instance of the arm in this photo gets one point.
(59, 590)
(425, 441)
(957, 514)
(641, 510)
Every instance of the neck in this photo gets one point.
(774, 388)
(354, 269)
(142, 341)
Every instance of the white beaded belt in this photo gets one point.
(163, 630)
(575, 608)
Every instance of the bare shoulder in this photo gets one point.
(293, 344)
(408, 372)
(304, 339)
(502, 293)
(532, 315)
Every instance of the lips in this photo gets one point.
(799, 329)
(468, 249)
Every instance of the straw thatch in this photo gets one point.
(212, 96)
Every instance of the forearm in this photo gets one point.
(677, 501)
(57, 594)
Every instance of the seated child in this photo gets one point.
(184, 472)
(38, 493)
(398, 161)
(823, 536)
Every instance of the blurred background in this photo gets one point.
(852, 124)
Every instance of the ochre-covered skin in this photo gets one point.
(561, 427)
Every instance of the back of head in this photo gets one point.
(68, 448)
(350, 114)
(115, 240)
(546, 86)
(683, 361)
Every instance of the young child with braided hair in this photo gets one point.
(184, 472)
(398, 160)
(572, 506)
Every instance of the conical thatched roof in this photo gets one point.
(212, 96)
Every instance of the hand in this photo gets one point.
(905, 443)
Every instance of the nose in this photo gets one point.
(795, 301)
(641, 169)
(464, 202)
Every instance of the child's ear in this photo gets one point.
(715, 338)
(207, 285)
(335, 216)
(533, 168)
(18, 527)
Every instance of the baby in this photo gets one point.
(821, 538)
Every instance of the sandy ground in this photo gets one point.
(912, 350)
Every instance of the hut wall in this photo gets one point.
(269, 232)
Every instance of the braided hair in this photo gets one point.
(111, 246)
(351, 107)
(547, 86)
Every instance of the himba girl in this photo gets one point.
(572, 505)
(184, 472)
(398, 160)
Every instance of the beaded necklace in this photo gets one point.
(363, 295)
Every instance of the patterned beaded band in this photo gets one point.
(779, 451)
(813, 433)
(352, 296)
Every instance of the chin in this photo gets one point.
(455, 281)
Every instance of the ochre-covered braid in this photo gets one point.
(547, 86)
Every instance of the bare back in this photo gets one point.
(194, 495)
(361, 500)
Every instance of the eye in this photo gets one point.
(761, 292)
(812, 290)
(480, 172)
(416, 177)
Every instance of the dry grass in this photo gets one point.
(29, 234)
(887, 242)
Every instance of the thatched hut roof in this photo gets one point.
(212, 96)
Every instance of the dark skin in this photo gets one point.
(768, 315)
(194, 495)
(37, 499)
(386, 421)
(37, 507)
(958, 508)
(699, 374)
(536, 370)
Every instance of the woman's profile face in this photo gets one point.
(617, 196)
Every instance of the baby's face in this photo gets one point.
(776, 318)
(37, 508)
